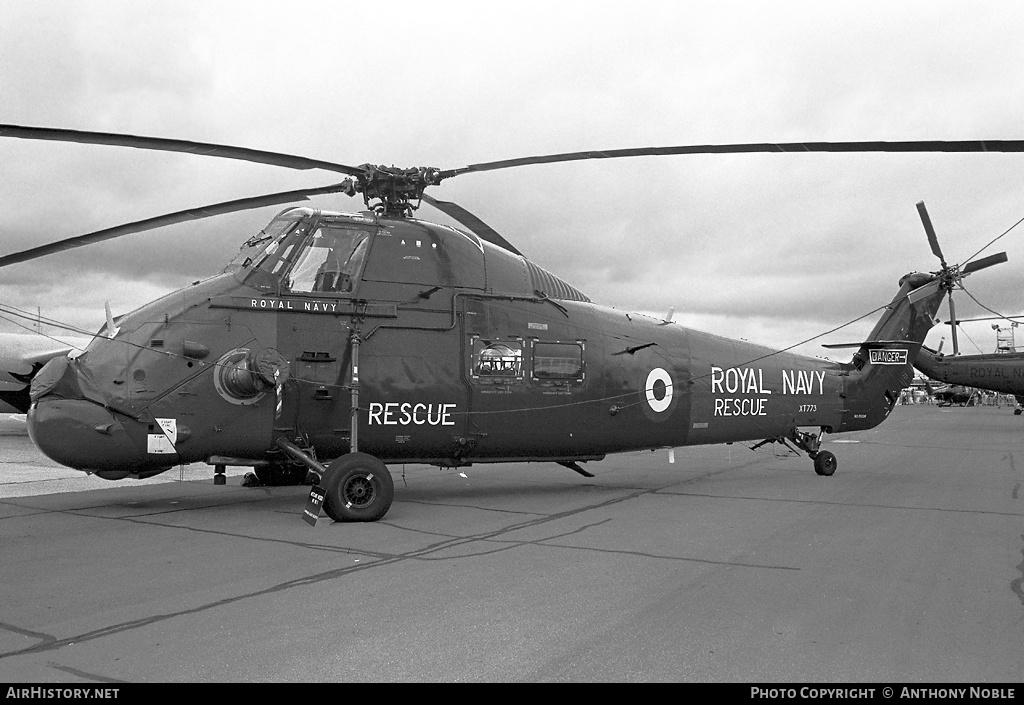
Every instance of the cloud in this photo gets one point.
(760, 244)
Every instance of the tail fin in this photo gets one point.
(883, 364)
(905, 322)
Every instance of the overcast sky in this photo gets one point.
(775, 248)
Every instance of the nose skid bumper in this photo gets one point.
(83, 435)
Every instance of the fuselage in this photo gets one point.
(998, 372)
(416, 342)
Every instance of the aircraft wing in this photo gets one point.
(21, 356)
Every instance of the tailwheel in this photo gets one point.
(359, 488)
(824, 463)
(810, 443)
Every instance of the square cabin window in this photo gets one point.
(557, 361)
(497, 358)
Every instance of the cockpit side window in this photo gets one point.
(330, 261)
(259, 246)
(281, 250)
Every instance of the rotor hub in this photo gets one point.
(391, 190)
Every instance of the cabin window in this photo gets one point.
(331, 261)
(497, 358)
(557, 361)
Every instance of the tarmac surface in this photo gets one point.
(727, 565)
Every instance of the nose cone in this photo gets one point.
(85, 436)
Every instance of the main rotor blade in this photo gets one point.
(290, 161)
(756, 147)
(475, 225)
(975, 265)
(169, 219)
(930, 232)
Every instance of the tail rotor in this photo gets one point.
(951, 275)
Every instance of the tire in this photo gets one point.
(825, 463)
(358, 487)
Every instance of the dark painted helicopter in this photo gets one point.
(374, 338)
(1001, 372)
(950, 394)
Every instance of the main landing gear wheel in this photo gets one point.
(824, 463)
(359, 488)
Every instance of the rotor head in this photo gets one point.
(390, 190)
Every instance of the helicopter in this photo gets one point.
(22, 355)
(950, 394)
(1001, 372)
(334, 344)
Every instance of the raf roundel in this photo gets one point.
(658, 403)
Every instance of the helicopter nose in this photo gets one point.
(83, 435)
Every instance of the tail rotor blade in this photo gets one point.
(975, 265)
(930, 232)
